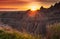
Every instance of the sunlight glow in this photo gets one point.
(32, 13)
(33, 8)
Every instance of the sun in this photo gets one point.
(33, 8)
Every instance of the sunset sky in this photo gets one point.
(25, 4)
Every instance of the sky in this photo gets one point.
(25, 4)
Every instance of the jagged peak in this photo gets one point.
(57, 4)
(41, 7)
(51, 6)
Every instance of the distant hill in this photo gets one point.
(53, 12)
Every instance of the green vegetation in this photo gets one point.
(54, 31)
(16, 35)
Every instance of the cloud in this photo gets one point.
(7, 8)
(48, 1)
(13, 2)
(23, 4)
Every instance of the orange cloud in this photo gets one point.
(23, 4)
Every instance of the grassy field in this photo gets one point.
(13, 34)
(53, 32)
